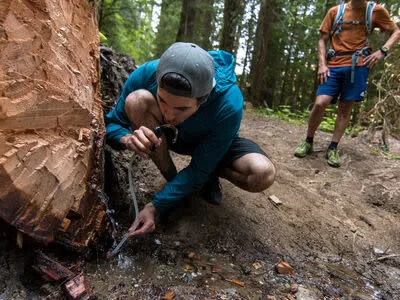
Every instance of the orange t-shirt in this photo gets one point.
(352, 37)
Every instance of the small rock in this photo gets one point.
(378, 251)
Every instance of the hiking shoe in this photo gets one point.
(211, 191)
(303, 149)
(333, 157)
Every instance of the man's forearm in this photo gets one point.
(394, 38)
(321, 52)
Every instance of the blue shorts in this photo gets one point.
(339, 84)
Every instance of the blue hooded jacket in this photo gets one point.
(206, 135)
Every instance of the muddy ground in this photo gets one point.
(338, 228)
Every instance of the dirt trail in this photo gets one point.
(331, 224)
(331, 228)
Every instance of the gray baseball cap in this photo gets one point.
(191, 62)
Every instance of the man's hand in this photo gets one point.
(141, 141)
(145, 221)
(323, 74)
(373, 59)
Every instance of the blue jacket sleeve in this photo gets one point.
(117, 122)
(205, 158)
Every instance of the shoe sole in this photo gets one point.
(302, 155)
(334, 165)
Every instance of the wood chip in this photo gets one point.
(169, 295)
(284, 268)
(275, 200)
(235, 281)
(257, 265)
(64, 225)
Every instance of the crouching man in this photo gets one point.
(195, 92)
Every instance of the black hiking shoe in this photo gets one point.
(211, 191)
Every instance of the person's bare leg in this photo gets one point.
(317, 113)
(252, 172)
(342, 119)
(142, 110)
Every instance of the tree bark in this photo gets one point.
(260, 51)
(51, 121)
(186, 32)
(233, 12)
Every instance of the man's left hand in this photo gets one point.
(145, 221)
(373, 59)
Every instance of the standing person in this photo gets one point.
(343, 69)
(194, 91)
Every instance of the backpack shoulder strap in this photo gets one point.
(338, 19)
(368, 16)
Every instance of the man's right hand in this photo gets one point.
(145, 221)
(141, 141)
(323, 74)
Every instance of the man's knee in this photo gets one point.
(263, 176)
(322, 101)
(138, 104)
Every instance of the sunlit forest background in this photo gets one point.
(274, 43)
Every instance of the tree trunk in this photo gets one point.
(167, 27)
(186, 32)
(207, 16)
(233, 12)
(51, 121)
(260, 51)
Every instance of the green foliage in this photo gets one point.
(289, 58)
(127, 26)
(285, 113)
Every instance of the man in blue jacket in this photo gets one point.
(194, 91)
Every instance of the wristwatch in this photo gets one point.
(384, 50)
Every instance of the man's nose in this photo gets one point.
(169, 114)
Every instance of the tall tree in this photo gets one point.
(189, 14)
(248, 36)
(168, 25)
(233, 14)
(258, 64)
(207, 18)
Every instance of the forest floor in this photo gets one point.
(338, 228)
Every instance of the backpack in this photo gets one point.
(337, 28)
(337, 23)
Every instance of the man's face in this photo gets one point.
(175, 109)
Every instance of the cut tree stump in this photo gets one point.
(51, 121)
